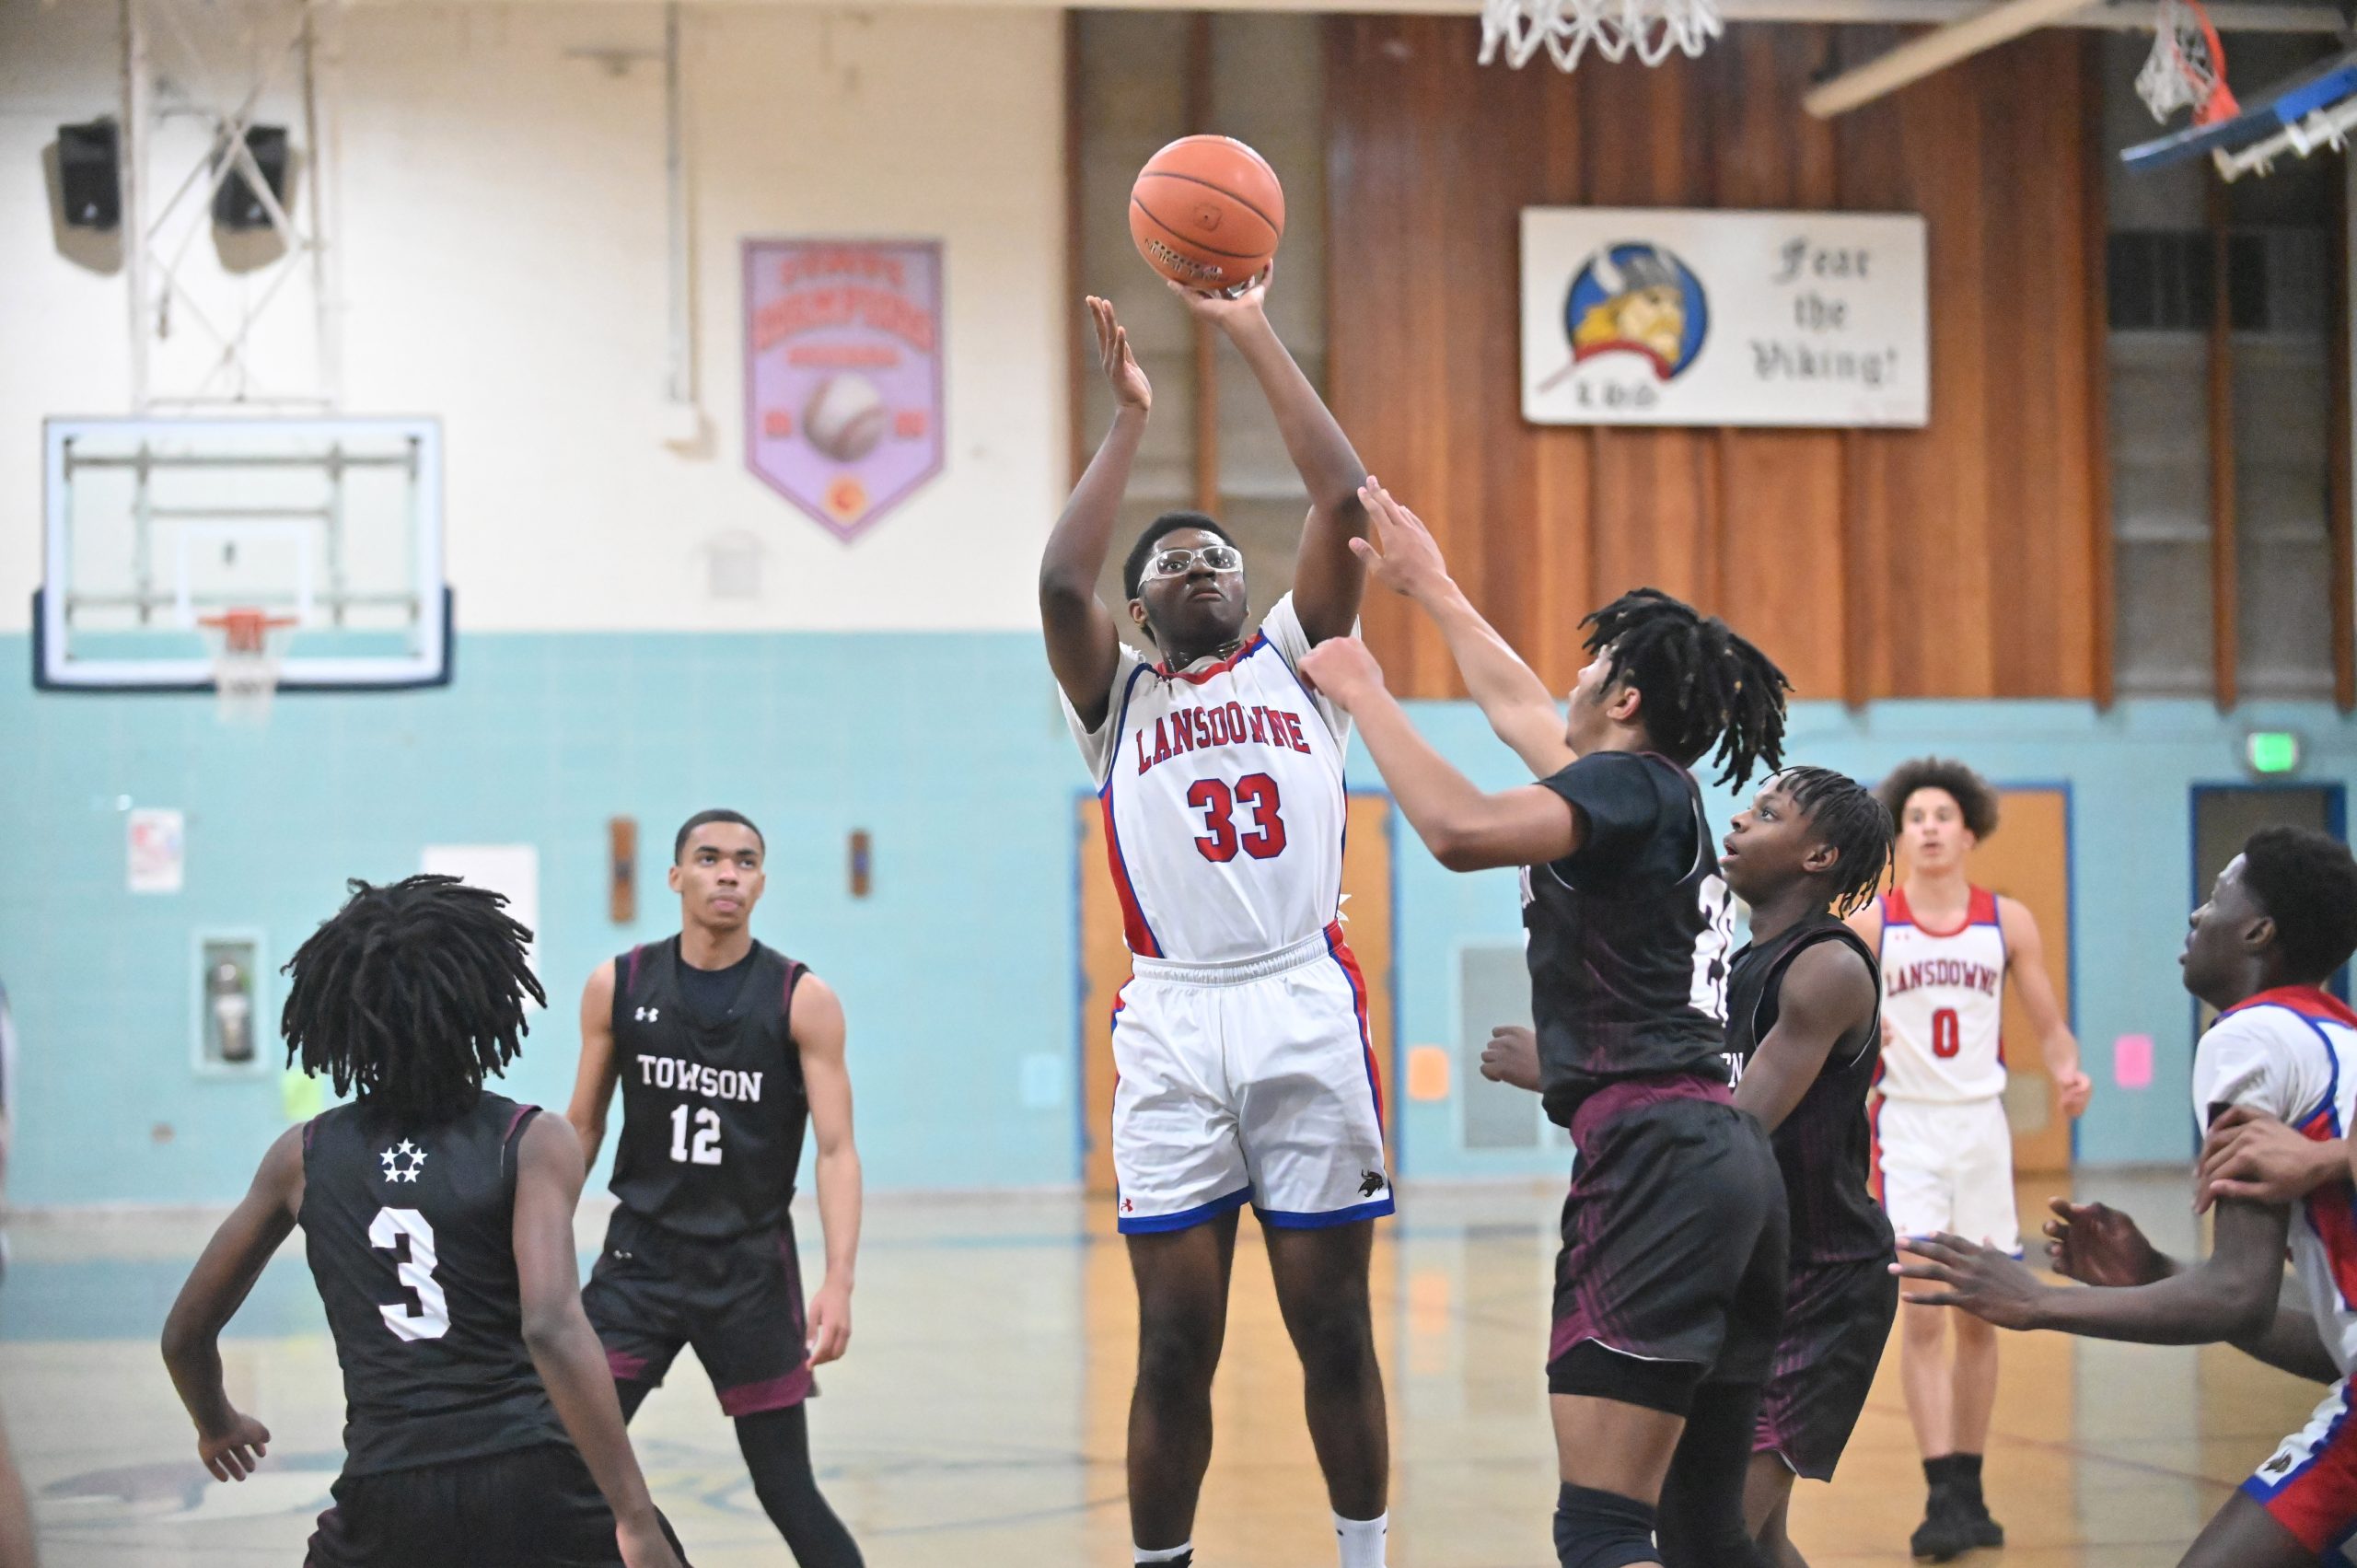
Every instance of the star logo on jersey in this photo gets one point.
(403, 1161)
(649, 1014)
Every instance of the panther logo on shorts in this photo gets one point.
(1370, 1183)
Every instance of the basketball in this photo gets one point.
(1207, 212)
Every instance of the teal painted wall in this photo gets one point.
(958, 972)
(946, 749)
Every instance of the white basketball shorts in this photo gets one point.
(1948, 1168)
(1247, 1081)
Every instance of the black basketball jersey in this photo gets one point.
(714, 1111)
(1825, 1145)
(410, 1234)
(1627, 939)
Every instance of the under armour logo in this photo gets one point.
(650, 1014)
(403, 1162)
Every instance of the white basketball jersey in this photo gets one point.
(1222, 788)
(2293, 1053)
(1943, 996)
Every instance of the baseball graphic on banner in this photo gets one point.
(843, 374)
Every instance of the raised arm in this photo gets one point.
(1326, 578)
(2026, 966)
(1465, 829)
(819, 1032)
(1828, 995)
(1083, 643)
(229, 1442)
(592, 1081)
(1404, 557)
(2230, 1297)
(565, 1349)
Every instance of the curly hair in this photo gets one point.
(1701, 685)
(411, 995)
(2308, 884)
(1973, 794)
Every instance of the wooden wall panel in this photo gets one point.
(1957, 561)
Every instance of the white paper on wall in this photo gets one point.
(156, 841)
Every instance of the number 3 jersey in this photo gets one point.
(713, 1108)
(1943, 997)
(1222, 789)
(409, 1232)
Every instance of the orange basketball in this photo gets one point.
(1207, 212)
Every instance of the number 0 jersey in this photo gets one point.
(713, 1109)
(1223, 795)
(1628, 939)
(1943, 995)
(411, 1236)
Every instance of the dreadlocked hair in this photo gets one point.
(1975, 797)
(1700, 684)
(1853, 823)
(410, 996)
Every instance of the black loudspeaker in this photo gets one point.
(88, 176)
(237, 204)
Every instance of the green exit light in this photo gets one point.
(2272, 750)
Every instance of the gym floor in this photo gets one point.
(979, 1418)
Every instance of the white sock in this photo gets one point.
(1163, 1554)
(1362, 1539)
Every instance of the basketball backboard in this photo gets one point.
(155, 527)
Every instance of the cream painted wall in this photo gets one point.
(503, 262)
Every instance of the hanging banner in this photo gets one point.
(1646, 316)
(843, 374)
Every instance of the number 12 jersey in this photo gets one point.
(1222, 789)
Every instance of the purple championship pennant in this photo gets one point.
(843, 374)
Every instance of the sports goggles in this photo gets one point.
(1179, 562)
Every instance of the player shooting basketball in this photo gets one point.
(1245, 1072)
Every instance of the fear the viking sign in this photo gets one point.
(843, 374)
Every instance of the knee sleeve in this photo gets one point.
(1602, 1530)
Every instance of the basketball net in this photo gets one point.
(247, 647)
(2187, 66)
(1650, 29)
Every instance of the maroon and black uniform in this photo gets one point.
(453, 1454)
(701, 1253)
(1673, 1229)
(1842, 1297)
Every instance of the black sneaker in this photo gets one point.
(1974, 1515)
(1946, 1533)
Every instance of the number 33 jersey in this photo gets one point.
(713, 1108)
(410, 1234)
(1223, 795)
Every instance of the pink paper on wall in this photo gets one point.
(2131, 1062)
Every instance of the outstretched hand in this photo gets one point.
(1981, 1280)
(2096, 1245)
(1342, 670)
(1403, 555)
(1131, 388)
(1222, 310)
